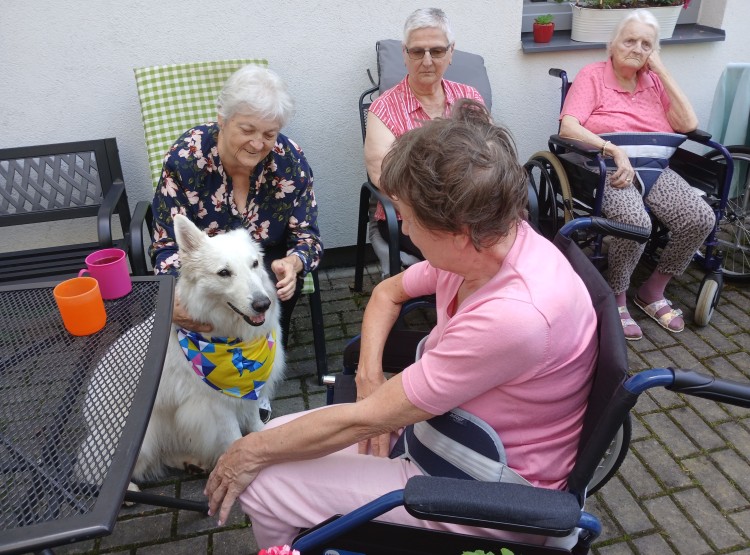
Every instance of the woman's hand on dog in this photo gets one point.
(232, 474)
(181, 318)
(286, 271)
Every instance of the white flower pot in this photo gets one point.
(595, 25)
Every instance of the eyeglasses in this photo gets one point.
(418, 53)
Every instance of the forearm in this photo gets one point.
(681, 115)
(381, 313)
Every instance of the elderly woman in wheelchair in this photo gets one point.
(632, 92)
(508, 364)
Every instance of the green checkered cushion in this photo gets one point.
(176, 97)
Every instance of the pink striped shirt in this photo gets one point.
(400, 111)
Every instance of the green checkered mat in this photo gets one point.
(176, 97)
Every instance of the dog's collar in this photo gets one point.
(227, 364)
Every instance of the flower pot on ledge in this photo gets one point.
(597, 25)
(543, 31)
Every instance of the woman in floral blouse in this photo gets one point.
(242, 172)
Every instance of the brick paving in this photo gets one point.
(684, 487)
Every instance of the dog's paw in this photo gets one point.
(131, 487)
(192, 468)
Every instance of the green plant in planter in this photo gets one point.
(544, 19)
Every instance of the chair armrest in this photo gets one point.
(106, 211)
(699, 136)
(498, 505)
(391, 219)
(142, 214)
(579, 147)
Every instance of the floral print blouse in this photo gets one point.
(281, 207)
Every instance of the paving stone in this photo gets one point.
(610, 530)
(736, 469)
(638, 430)
(624, 508)
(234, 542)
(713, 524)
(742, 521)
(638, 478)
(288, 406)
(711, 411)
(664, 398)
(78, 548)
(681, 357)
(139, 530)
(674, 439)
(723, 368)
(653, 543)
(680, 531)
(661, 464)
(737, 436)
(616, 549)
(721, 490)
(193, 546)
(700, 433)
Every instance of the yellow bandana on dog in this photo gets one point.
(236, 368)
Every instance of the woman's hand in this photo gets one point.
(182, 319)
(654, 63)
(234, 471)
(624, 176)
(286, 270)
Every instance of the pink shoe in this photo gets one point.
(671, 320)
(630, 328)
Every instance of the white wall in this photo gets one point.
(67, 73)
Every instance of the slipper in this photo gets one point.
(665, 319)
(635, 332)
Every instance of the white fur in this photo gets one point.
(191, 423)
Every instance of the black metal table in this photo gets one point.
(65, 461)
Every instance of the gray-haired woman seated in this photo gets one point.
(509, 352)
(241, 172)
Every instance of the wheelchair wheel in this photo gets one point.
(707, 299)
(548, 178)
(613, 458)
(734, 228)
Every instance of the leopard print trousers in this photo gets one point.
(675, 204)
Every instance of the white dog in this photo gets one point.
(210, 384)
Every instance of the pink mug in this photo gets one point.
(110, 268)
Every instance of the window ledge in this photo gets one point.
(683, 34)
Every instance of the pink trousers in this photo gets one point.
(288, 497)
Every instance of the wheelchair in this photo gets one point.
(508, 506)
(565, 189)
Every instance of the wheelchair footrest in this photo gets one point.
(503, 506)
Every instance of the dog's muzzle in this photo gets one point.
(258, 321)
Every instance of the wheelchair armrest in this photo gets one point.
(142, 214)
(699, 136)
(499, 505)
(106, 211)
(579, 147)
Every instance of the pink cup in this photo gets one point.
(110, 268)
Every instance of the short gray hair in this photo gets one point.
(258, 91)
(428, 18)
(643, 16)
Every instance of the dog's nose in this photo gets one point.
(261, 305)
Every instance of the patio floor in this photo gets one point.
(684, 487)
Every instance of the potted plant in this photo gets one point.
(595, 20)
(543, 28)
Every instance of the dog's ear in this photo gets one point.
(189, 237)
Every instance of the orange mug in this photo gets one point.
(81, 305)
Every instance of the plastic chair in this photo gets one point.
(466, 68)
(175, 98)
(565, 189)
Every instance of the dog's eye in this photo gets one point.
(255, 264)
(224, 273)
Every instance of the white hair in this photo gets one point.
(642, 16)
(257, 91)
(428, 18)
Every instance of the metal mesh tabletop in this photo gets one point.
(73, 411)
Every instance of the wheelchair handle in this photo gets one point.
(692, 383)
(607, 227)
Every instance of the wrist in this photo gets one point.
(605, 145)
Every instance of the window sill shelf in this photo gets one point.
(683, 34)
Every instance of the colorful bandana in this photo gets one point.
(236, 368)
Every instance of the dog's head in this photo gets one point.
(223, 281)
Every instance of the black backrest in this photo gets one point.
(365, 100)
(57, 181)
(608, 402)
